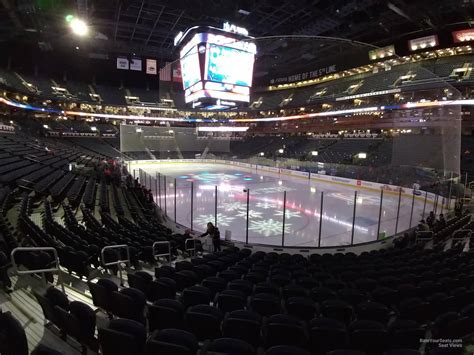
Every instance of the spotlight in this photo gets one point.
(79, 27)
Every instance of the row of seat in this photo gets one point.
(74, 194)
(172, 309)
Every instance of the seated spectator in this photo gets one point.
(423, 226)
(441, 222)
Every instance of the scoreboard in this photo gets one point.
(216, 66)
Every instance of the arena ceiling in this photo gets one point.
(148, 27)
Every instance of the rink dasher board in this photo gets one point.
(347, 182)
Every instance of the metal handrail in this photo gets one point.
(55, 269)
(193, 249)
(459, 231)
(119, 261)
(168, 254)
(423, 235)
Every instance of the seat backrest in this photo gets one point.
(46, 306)
(154, 347)
(160, 289)
(86, 318)
(68, 322)
(12, 336)
(113, 342)
(178, 337)
(165, 314)
(231, 346)
(139, 282)
(125, 306)
(57, 298)
(100, 296)
(195, 295)
(286, 350)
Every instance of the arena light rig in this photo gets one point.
(78, 26)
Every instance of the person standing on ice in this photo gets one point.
(215, 235)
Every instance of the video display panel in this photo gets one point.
(229, 65)
(190, 69)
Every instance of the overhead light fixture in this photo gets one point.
(79, 27)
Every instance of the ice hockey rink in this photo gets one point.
(266, 196)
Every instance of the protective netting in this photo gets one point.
(169, 139)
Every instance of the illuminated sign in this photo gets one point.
(230, 27)
(312, 74)
(463, 35)
(423, 42)
(384, 52)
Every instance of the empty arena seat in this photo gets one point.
(78, 323)
(185, 278)
(265, 304)
(204, 321)
(283, 329)
(327, 334)
(101, 292)
(286, 350)
(140, 280)
(172, 342)
(300, 307)
(368, 336)
(12, 335)
(405, 334)
(337, 309)
(195, 295)
(231, 300)
(244, 325)
(161, 288)
(129, 303)
(294, 290)
(230, 346)
(215, 284)
(165, 313)
(244, 286)
(373, 311)
(122, 337)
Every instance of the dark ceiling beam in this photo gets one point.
(399, 11)
(117, 17)
(172, 28)
(82, 8)
(138, 18)
(286, 19)
(154, 25)
(270, 15)
(10, 9)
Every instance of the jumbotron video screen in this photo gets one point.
(217, 68)
(229, 66)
